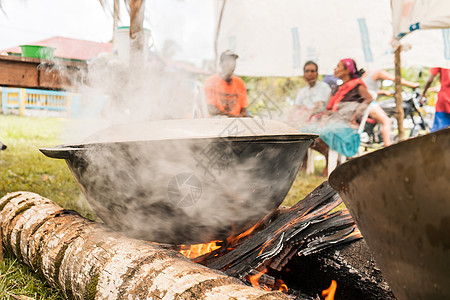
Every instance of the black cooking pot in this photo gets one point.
(399, 197)
(186, 181)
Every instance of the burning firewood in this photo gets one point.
(308, 227)
(351, 265)
(89, 261)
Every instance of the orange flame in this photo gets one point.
(282, 287)
(193, 251)
(329, 292)
(233, 240)
(254, 279)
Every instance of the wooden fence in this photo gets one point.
(23, 101)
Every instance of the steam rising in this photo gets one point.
(326, 121)
(130, 183)
(128, 173)
(123, 94)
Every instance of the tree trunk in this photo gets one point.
(89, 261)
(116, 17)
(137, 47)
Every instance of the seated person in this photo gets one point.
(354, 90)
(226, 94)
(338, 126)
(311, 99)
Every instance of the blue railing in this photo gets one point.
(20, 100)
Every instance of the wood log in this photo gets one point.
(351, 265)
(305, 228)
(89, 261)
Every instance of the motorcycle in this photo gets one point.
(414, 119)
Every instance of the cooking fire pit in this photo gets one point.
(186, 181)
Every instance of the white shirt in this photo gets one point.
(309, 96)
(372, 85)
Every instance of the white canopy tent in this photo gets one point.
(276, 37)
(411, 15)
(430, 47)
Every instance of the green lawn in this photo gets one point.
(24, 168)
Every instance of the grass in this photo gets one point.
(24, 168)
(18, 280)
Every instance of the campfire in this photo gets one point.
(260, 255)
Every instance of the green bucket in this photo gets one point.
(35, 51)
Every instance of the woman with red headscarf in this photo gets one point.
(354, 90)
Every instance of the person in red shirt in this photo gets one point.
(442, 114)
(226, 93)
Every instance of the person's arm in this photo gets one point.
(244, 113)
(323, 96)
(427, 85)
(298, 105)
(362, 90)
(215, 111)
(385, 93)
(383, 75)
(243, 99)
(319, 106)
(210, 89)
(298, 99)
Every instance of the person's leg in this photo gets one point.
(320, 146)
(304, 165)
(441, 121)
(378, 114)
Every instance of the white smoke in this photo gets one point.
(130, 172)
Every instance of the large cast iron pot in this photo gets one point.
(186, 181)
(400, 199)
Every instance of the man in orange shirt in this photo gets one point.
(226, 94)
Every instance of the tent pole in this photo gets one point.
(399, 114)
(216, 40)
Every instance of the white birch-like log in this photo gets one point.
(89, 261)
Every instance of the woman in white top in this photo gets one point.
(372, 80)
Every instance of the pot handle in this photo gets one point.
(60, 152)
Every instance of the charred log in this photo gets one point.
(306, 228)
(352, 265)
(89, 261)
